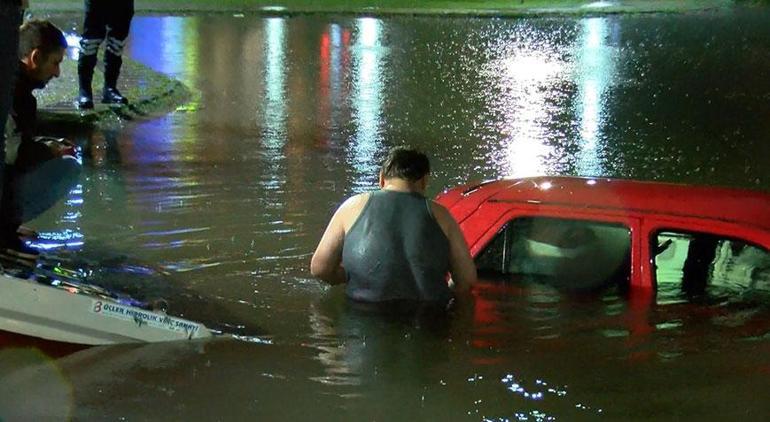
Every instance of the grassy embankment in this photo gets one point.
(149, 92)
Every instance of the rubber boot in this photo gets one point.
(110, 94)
(86, 66)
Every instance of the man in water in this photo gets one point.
(39, 170)
(395, 244)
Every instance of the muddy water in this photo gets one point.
(218, 205)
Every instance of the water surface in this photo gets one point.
(218, 206)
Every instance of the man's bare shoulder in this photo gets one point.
(351, 209)
(440, 211)
(443, 217)
(355, 202)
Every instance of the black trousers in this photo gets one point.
(107, 18)
(110, 20)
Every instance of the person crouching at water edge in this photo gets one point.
(39, 170)
(395, 244)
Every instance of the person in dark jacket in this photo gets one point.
(395, 244)
(39, 170)
(110, 20)
(10, 19)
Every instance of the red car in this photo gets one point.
(586, 233)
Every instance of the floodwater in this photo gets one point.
(218, 205)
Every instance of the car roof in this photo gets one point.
(741, 206)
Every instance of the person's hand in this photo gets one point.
(61, 147)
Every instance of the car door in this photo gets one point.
(697, 255)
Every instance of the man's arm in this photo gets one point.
(461, 264)
(326, 263)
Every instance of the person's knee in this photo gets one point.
(69, 167)
(56, 176)
(68, 171)
(47, 184)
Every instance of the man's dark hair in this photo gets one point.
(406, 163)
(42, 35)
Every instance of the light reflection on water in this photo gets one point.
(371, 78)
(525, 76)
(595, 73)
(218, 206)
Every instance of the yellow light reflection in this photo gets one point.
(524, 107)
(178, 48)
(181, 47)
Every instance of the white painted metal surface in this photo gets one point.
(60, 314)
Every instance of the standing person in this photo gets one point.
(110, 19)
(39, 170)
(395, 244)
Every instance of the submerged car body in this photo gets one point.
(584, 233)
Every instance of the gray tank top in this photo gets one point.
(396, 250)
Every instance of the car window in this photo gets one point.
(574, 254)
(696, 261)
